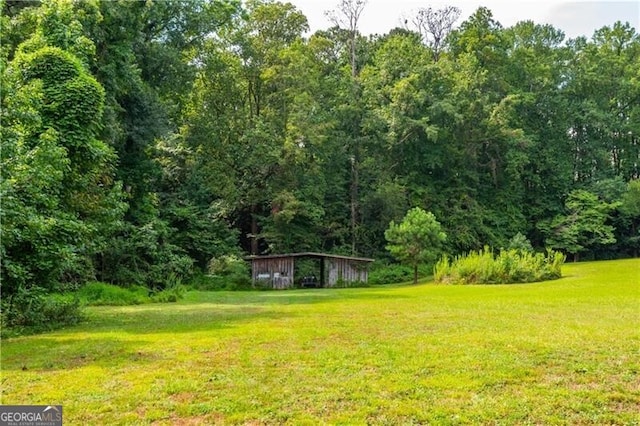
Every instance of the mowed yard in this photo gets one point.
(560, 352)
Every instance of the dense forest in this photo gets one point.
(141, 140)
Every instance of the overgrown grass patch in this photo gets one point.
(507, 267)
(102, 294)
(560, 352)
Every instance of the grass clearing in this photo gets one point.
(559, 352)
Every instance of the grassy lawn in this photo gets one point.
(560, 352)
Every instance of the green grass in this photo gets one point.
(99, 294)
(559, 352)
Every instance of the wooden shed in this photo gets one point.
(278, 270)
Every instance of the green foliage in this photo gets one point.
(60, 203)
(394, 273)
(142, 139)
(146, 255)
(292, 225)
(509, 266)
(630, 204)
(520, 243)
(103, 294)
(630, 209)
(173, 290)
(584, 227)
(227, 272)
(416, 240)
(99, 294)
(33, 309)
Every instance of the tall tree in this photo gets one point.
(583, 227)
(602, 86)
(252, 82)
(630, 208)
(347, 16)
(434, 25)
(416, 240)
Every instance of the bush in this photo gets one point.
(31, 309)
(225, 273)
(144, 255)
(173, 291)
(510, 266)
(394, 273)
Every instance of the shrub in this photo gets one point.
(510, 266)
(31, 309)
(394, 273)
(144, 255)
(173, 291)
(225, 273)
(341, 283)
(168, 295)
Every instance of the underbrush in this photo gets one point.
(102, 294)
(32, 310)
(509, 266)
(224, 273)
(221, 283)
(392, 274)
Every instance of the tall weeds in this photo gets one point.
(509, 266)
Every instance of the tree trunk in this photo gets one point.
(415, 274)
(354, 203)
(354, 70)
(633, 233)
(254, 231)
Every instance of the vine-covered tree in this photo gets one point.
(60, 203)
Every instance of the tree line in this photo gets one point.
(141, 140)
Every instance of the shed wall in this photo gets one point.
(346, 270)
(278, 272)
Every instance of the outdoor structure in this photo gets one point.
(278, 270)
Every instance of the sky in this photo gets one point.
(575, 18)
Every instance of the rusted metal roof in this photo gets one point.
(310, 254)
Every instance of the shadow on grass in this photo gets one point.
(49, 353)
(294, 297)
(176, 318)
(207, 311)
(113, 336)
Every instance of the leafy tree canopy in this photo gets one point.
(416, 240)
